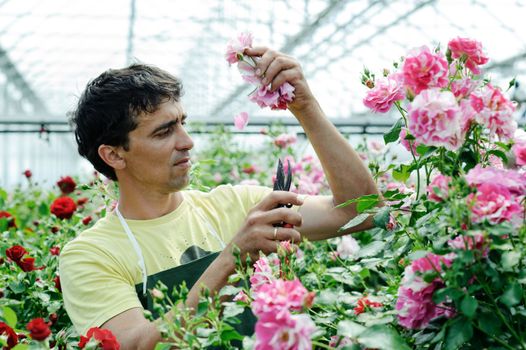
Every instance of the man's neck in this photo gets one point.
(145, 205)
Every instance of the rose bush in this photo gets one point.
(444, 267)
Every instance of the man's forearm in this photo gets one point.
(346, 174)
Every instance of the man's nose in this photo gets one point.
(184, 141)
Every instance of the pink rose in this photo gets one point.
(348, 247)
(471, 50)
(519, 151)
(242, 296)
(424, 69)
(434, 119)
(263, 274)
(463, 88)
(494, 111)
(279, 297)
(513, 180)
(473, 242)
(385, 92)
(415, 304)
(236, 47)
(495, 203)
(438, 188)
(241, 120)
(292, 332)
(285, 140)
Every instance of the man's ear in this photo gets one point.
(111, 156)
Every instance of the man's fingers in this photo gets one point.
(284, 234)
(278, 66)
(279, 215)
(279, 197)
(257, 51)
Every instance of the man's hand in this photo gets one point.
(257, 233)
(276, 68)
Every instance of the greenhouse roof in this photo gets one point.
(50, 49)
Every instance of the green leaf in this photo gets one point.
(350, 329)
(230, 334)
(394, 133)
(382, 337)
(402, 173)
(25, 347)
(43, 209)
(499, 154)
(468, 306)
(381, 219)
(229, 290)
(202, 308)
(357, 220)
(489, 323)
(159, 346)
(510, 259)
(9, 317)
(232, 309)
(366, 204)
(17, 287)
(458, 333)
(512, 295)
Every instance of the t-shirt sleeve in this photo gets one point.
(251, 195)
(93, 288)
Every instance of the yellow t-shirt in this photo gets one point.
(99, 269)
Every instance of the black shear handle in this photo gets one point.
(283, 184)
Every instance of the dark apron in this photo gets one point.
(190, 273)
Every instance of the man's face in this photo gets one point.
(158, 157)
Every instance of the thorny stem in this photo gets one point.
(401, 110)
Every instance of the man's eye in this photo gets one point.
(165, 132)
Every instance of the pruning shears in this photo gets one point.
(283, 183)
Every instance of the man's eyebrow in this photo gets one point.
(168, 124)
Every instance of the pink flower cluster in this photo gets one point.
(262, 95)
(415, 296)
(309, 175)
(274, 299)
(499, 194)
(446, 100)
(438, 189)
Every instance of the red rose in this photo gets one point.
(249, 169)
(66, 184)
(12, 338)
(54, 229)
(38, 329)
(63, 207)
(53, 318)
(10, 218)
(57, 283)
(27, 173)
(86, 220)
(105, 338)
(15, 253)
(27, 264)
(82, 201)
(54, 250)
(363, 304)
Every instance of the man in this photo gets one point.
(130, 125)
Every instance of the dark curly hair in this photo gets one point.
(109, 108)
